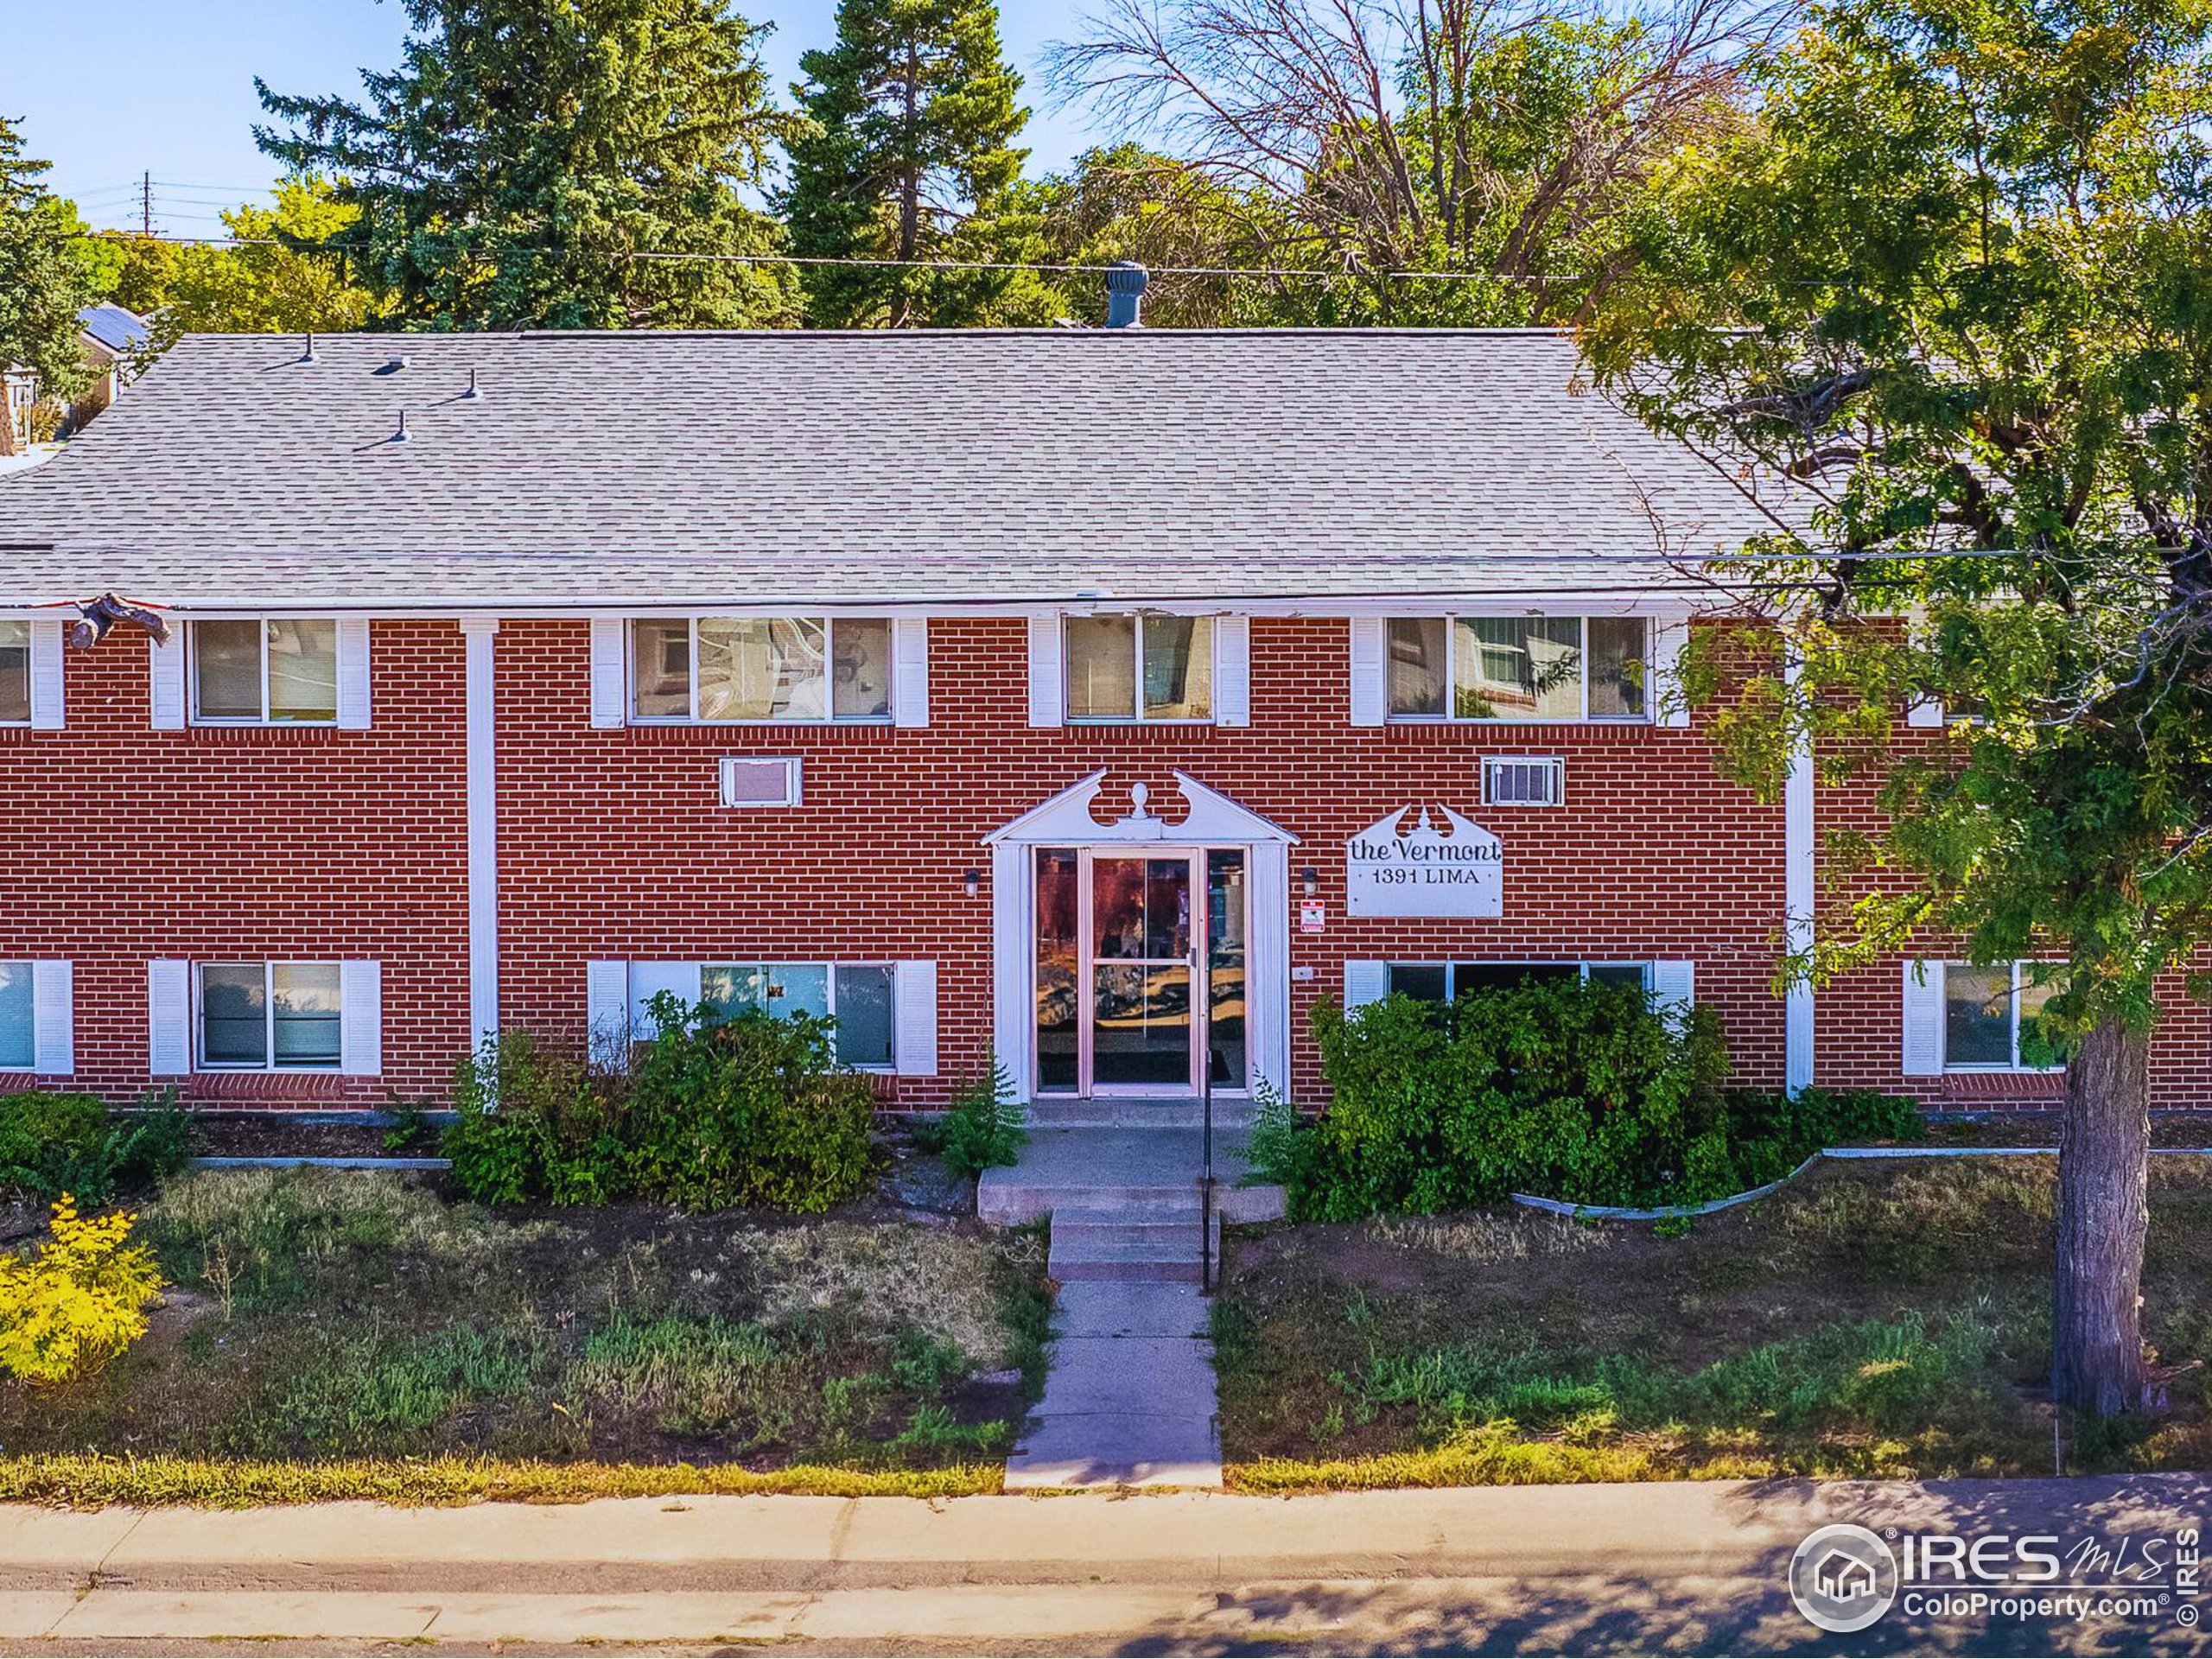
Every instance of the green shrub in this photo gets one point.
(983, 1129)
(54, 1143)
(752, 1109)
(1277, 1150)
(1572, 1090)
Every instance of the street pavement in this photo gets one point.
(1680, 1566)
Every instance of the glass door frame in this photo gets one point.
(1195, 962)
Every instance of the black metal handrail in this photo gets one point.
(1204, 976)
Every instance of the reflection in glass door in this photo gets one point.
(1114, 934)
(1140, 1027)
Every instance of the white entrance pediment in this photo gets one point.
(1213, 820)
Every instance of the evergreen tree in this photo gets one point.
(523, 163)
(908, 155)
(44, 278)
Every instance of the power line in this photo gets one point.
(1290, 272)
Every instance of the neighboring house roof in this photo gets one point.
(868, 467)
(117, 329)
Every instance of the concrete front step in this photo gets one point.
(1156, 1245)
(1137, 1114)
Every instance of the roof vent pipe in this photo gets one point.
(1125, 281)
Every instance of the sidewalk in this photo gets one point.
(1585, 1568)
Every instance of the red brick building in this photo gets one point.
(1009, 691)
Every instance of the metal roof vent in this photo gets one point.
(400, 437)
(1125, 284)
(394, 366)
(308, 356)
(471, 394)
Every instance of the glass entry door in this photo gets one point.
(1141, 1035)
(1115, 932)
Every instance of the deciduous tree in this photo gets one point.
(1504, 137)
(1957, 283)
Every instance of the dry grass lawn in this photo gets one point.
(1870, 1319)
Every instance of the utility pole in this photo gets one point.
(146, 205)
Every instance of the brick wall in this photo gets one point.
(612, 844)
(125, 843)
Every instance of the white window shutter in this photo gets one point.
(360, 1018)
(1048, 695)
(1673, 987)
(168, 1018)
(610, 691)
(913, 998)
(1669, 705)
(166, 663)
(910, 672)
(352, 674)
(1923, 1020)
(1370, 695)
(1924, 712)
(1365, 982)
(53, 1019)
(46, 677)
(606, 1010)
(648, 980)
(1232, 670)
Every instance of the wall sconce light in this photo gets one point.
(1312, 879)
(972, 881)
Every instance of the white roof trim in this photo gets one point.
(1213, 820)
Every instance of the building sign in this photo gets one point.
(1312, 917)
(1391, 870)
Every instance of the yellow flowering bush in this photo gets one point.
(76, 1302)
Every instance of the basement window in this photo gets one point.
(262, 1016)
(1447, 982)
(1992, 1018)
(857, 996)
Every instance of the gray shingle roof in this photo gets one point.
(839, 468)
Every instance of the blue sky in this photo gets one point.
(108, 92)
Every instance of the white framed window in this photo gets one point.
(15, 672)
(1447, 982)
(270, 1016)
(1503, 669)
(1989, 1018)
(1127, 669)
(264, 671)
(744, 670)
(860, 996)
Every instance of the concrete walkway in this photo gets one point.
(1130, 1399)
(1677, 1566)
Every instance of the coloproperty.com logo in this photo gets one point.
(1844, 1578)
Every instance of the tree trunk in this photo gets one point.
(2097, 1365)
